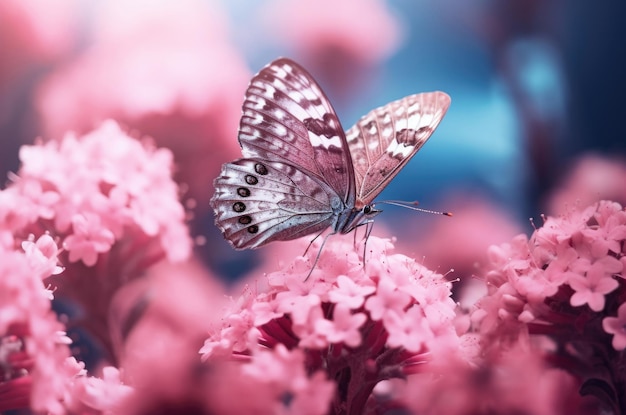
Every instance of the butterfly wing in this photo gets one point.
(257, 202)
(288, 119)
(384, 140)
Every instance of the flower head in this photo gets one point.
(343, 319)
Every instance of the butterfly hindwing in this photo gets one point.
(385, 139)
(258, 201)
(287, 118)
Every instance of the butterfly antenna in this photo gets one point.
(412, 206)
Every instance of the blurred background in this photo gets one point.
(536, 123)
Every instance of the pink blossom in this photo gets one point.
(595, 284)
(179, 83)
(593, 178)
(387, 298)
(30, 331)
(617, 327)
(314, 28)
(34, 32)
(89, 238)
(537, 289)
(106, 393)
(344, 327)
(349, 293)
(337, 46)
(43, 255)
(462, 242)
(408, 330)
(511, 381)
(102, 185)
(326, 318)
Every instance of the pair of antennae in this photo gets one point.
(411, 206)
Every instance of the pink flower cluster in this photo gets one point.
(347, 329)
(33, 346)
(567, 284)
(109, 201)
(331, 338)
(92, 192)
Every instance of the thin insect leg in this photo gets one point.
(369, 227)
(317, 257)
(311, 243)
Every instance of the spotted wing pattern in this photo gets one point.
(257, 202)
(385, 139)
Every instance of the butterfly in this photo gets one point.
(300, 173)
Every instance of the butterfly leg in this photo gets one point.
(319, 252)
(369, 226)
(311, 243)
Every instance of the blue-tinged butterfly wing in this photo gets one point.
(260, 201)
(385, 139)
(287, 118)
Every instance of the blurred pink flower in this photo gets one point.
(162, 68)
(327, 319)
(563, 283)
(335, 40)
(89, 194)
(33, 346)
(43, 255)
(98, 182)
(591, 179)
(34, 32)
(89, 238)
(461, 242)
(617, 327)
(105, 394)
(158, 324)
(510, 381)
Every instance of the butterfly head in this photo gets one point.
(354, 218)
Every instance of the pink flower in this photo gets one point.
(344, 327)
(179, 83)
(33, 342)
(107, 393)
(315, 28)
(43, 255)
(338, 320)
(617, 327)
(34, 32)
(100, 188)
(595, 284)
(89, 238)
(537, 288)
(387, 299)
(284, 371)
(512, 380)
(593, 178)
(338, 41)
(349, 293)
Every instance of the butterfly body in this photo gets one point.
(301, 174)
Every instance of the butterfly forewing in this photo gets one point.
(287, 118)
(384, 140)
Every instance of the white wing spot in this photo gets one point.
(399, 150)
(322, 141)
